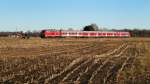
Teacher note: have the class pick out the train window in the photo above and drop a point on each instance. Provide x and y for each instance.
(100, 34)
(109, 34)
(116, 34)
(103, 33)
(64, 33)
(92, 33)
(80, 33)
(124, 34)
(85, 33)
(73, 33)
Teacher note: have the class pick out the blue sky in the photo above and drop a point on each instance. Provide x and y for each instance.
(41, 14)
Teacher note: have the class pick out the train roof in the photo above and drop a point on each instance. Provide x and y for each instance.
(97, 31)
(85, 31)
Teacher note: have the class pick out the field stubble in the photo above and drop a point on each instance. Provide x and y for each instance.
(78, 61)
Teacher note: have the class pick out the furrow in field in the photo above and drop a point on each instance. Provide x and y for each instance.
(100, 73)
(91, 52)
(86, 75)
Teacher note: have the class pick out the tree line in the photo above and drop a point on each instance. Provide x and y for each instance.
(92, 27)
(137, 32)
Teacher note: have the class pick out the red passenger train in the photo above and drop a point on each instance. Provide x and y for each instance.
(47, 33)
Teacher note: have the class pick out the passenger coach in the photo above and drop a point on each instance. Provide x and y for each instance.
(47, 33)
